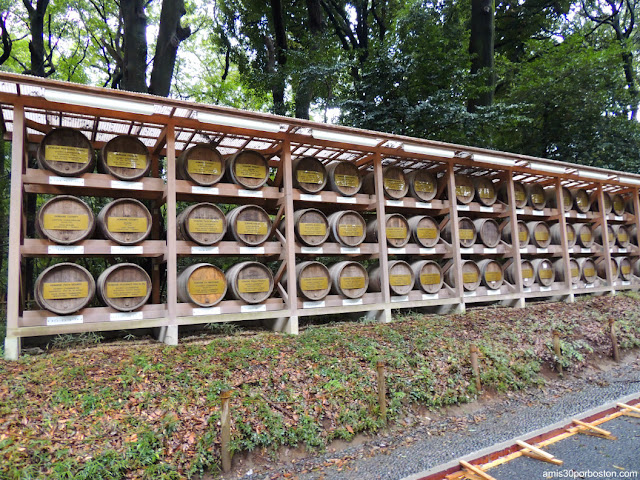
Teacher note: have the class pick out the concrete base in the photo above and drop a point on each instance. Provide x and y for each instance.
(12, 348)
(459, 308)
(169, 335)
(514, 303)
(571, 298)
(287, 325)
(381, 316)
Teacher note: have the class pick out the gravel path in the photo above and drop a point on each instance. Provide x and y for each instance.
(427, 443)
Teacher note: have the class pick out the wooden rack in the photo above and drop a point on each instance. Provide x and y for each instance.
(167, 127)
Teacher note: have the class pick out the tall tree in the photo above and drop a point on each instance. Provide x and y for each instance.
(481, 48)
(41, 61)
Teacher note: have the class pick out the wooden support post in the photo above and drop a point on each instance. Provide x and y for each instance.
(557, 351)
(589, 429)
(383, 257)
(225, 426)
(515, 238)
(382, 391)
(564, 243)
(170, 335)
(476, 470)
(614, 340)
(629, 407)
(475, 368)
(606, 255)
(536, 453)
(291, 324)
(18, 166)
(455, 235)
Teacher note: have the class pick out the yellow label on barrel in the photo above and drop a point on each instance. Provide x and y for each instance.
(61, 221)
(581, 201)
(427, 233)
(622, 236)
(126, 160)
(346, 180)
(618, 205)
(246, 170)
(204, 167)
(611, 236)
(545, 273)
(206, 287)
(537, 198)
(522, 236)
(570, 234)
(625, 269)
(466, 234)
(346, 230)
(566, 199)
(423, 187)
(205, 225)
(318, 229)
(575, 272)
(541, 236)
(430, 279)
(351, 283)
(493, 276)
(253, 285)
(470, 277)
(127, 224)
(463, 191)
(394, 184)
(314, 283)
(126, 289)
(527, 273)
(585, 237)
(589, 272)
(396, 232)
(485, 192)
(62, 153)
(245, 227)
(309, 176)
(65, 290)
(520, 195)
(399, 280)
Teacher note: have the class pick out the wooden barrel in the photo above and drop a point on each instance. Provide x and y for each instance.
(425, 231)
(397, 227)
(248, 168)
(202, 223)
(65, 220)
(249, 224)
(309, 174)
(633, 234)
(428, 276)
(466, 230)
(584, 235)
(535, 196)
(595, 203)
(528, 273)
(66, 152)
(491, 274)
(601, 269)
(485, 191)
(625, 268)
(556, 237)
(597, 235)
(567, 198)
(471, 277)
(310, 226)
(423, 185)
(465, 189)
(623, 236)
(618, 204)
(125, 157)
(587, 270)
(202, 164)
(401, 278)
(343, 177)
(394, 183)
(64, 288)
(544, 272)
(202, 284)
(488, 231)
(125, 287)
(539, 234)
(125, 221)
(523, 233)
(347, 228)
(520, 194)
(250, 282)
(581, 200)
(574, 266)
(349, 279)
(313, 280)
(636, 268)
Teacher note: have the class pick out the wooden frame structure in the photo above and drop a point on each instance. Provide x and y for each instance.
(30, 107)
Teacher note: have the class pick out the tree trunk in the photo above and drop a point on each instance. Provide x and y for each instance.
(304, 95)
(170, 34)
(304, 91)
(481, 49)
(134, 45)
(36, 29)
(627, 63)
(280, 56)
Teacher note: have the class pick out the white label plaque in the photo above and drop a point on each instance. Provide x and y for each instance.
(205, 311)
(469, 294)
(66, 320)
(395, 203)
(126, 185)
(486, 209)
(464, 208)
(314, 250)
(250, 193)
(318, 304)
(205, 190)
(429, 296)
(340, 199)
(251, 250)
(310, 198)
(539, 213)
(253, 308)
(124, 250)
(67, 181)
(423, 205)
(65, 250)
(352, 301)
(397, 251)
(400, 298)
(205, 250)
(349, 249)
(122, 316)
(427, 251)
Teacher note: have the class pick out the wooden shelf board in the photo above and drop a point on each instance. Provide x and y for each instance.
(230, 309)
(434, 207)
(225, 193)
(34, 247)
(360, 201)
(479, 249)
(414, 249)
(497, 209)
(228, 248)
(44, 318)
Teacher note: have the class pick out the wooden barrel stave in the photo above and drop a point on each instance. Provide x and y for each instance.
(584, 235)
(344, 178)
(347, 228)
(574, 266)
(249, 224)
(401, 278)
(309, 174)
(523, 233)
(597, 235)
(423, 185)
(471, 276)
(313, 280)
(66, 152)
(65, 219)
(465, 189)
(491, 274)
(125, 157)
(625, 268)
(622, 235)
(595, 202)
(588, 271)
(556, 237)
(248, 168)
(581, 200)
(202, 284)
(520, 194)
(567, 198)
(618, 204)
(250, 282)
(124, 286)
(488, 231)
(528, 273)
(310, 226)
(485, 191)
(539, 234)
(397, 228)
(125, 221)
(544, 272)
(349, 279)
(394, 183)
(425, 231)
(466, 230)
(428, 276)
(602, 271)
(202, 223)
(64, 288)
(202, 164)
(536, 198)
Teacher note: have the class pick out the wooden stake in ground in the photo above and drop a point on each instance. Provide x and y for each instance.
(536, 453)
(614, 340)
(225, 423)
(382, 391)
(475, 368)
(557, 351)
